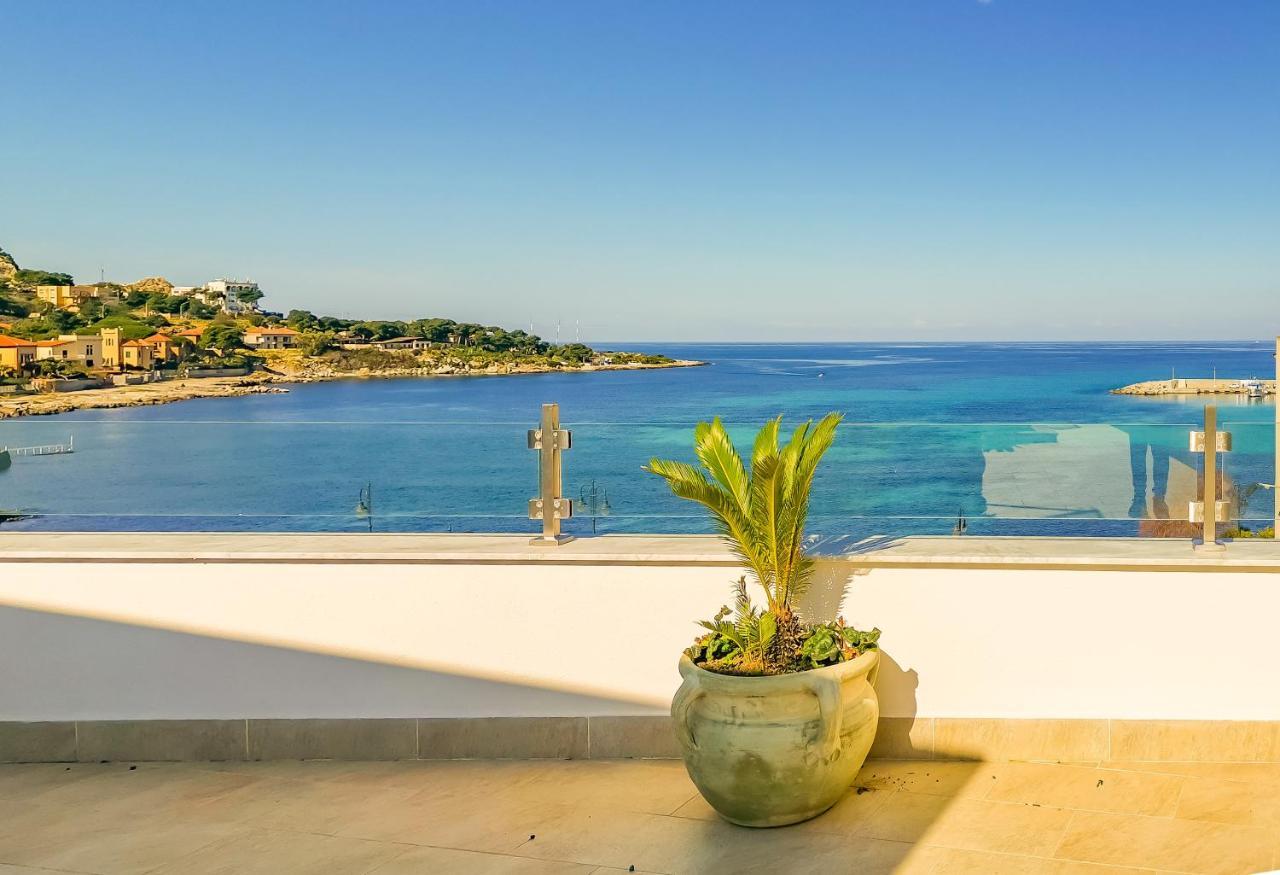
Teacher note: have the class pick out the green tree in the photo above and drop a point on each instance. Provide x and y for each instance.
(42, 278)
(315, 342)
(249, 296)
(131, 327)
(301, 320)
(575, 353)
(434, 330)
(223, 337)
(92, 308)
(52, 367)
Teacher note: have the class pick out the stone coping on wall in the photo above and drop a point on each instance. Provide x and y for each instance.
(1137, 554)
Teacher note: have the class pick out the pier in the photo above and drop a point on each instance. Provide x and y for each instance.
(44, 450)
(1250, 388)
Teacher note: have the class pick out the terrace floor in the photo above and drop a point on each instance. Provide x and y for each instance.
(605, 816)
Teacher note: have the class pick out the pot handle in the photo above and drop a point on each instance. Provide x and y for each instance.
(830, 713)
(685, 698)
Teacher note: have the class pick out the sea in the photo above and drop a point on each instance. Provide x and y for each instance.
(938, 438)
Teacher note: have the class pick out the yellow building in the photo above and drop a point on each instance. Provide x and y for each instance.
(163, 347)
(67, 297)
(118, 353)
(16, 352)
(137, 354)
(85, 349)
(111, 352)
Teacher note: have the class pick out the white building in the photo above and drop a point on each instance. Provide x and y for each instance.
(228, 292)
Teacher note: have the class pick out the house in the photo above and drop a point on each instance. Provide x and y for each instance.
(85, 349)
(231, 293)
(414, 343)
(164, 347)
(191, 335)
(271, 338)
(137, 354)
(15, 352)
(69, 297)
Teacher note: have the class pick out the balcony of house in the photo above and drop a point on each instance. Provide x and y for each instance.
(1071, 674)
(405, 703)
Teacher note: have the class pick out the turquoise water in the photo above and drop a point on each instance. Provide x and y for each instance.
(1018, 438)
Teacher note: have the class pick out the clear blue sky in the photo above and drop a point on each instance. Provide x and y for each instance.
(1014, 169)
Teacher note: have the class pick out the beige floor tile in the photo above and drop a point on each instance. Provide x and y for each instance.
(926, 860)
(971, 824)
(1162, 843)
(145, 787)
(84, 844)
(271, 852)
(846, 817)
(681, 845)
(491, 823)
(906, 817)
(26, 783)
(421, 861)
(934, 778)
(1258, 773)
(306, 806)
(578, 817)
(1238, 802)
(1085, 788)
(649, 786)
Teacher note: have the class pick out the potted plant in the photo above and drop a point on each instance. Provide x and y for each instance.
(775, 714)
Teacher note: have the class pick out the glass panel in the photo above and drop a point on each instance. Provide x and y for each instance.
(926, 478)
(267, 476)
(148, 471)
(1249, 478)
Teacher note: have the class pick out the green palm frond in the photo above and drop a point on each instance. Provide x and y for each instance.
(761, 513)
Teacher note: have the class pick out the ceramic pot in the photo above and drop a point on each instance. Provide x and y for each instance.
(769, 751)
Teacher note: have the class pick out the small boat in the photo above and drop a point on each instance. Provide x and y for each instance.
(1253, 388)
(364, 506)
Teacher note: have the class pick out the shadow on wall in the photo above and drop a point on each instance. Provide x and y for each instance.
(58, 667)
(828, 597)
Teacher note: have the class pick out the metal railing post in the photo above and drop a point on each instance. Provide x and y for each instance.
(1210, 510)
(550, 440)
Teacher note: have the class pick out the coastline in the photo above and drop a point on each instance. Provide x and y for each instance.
(267, 383)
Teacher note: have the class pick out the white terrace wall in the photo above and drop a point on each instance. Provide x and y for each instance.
(108, 639)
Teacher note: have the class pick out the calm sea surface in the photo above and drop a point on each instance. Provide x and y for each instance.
(1018, 438)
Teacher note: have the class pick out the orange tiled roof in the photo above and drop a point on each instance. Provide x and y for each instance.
(134, 343)
(191, 332)
(7, 341)
(158, 337)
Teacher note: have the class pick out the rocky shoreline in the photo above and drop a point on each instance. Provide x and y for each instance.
(265, 383)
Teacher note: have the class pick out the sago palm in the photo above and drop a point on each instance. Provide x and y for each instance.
(761, 513)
